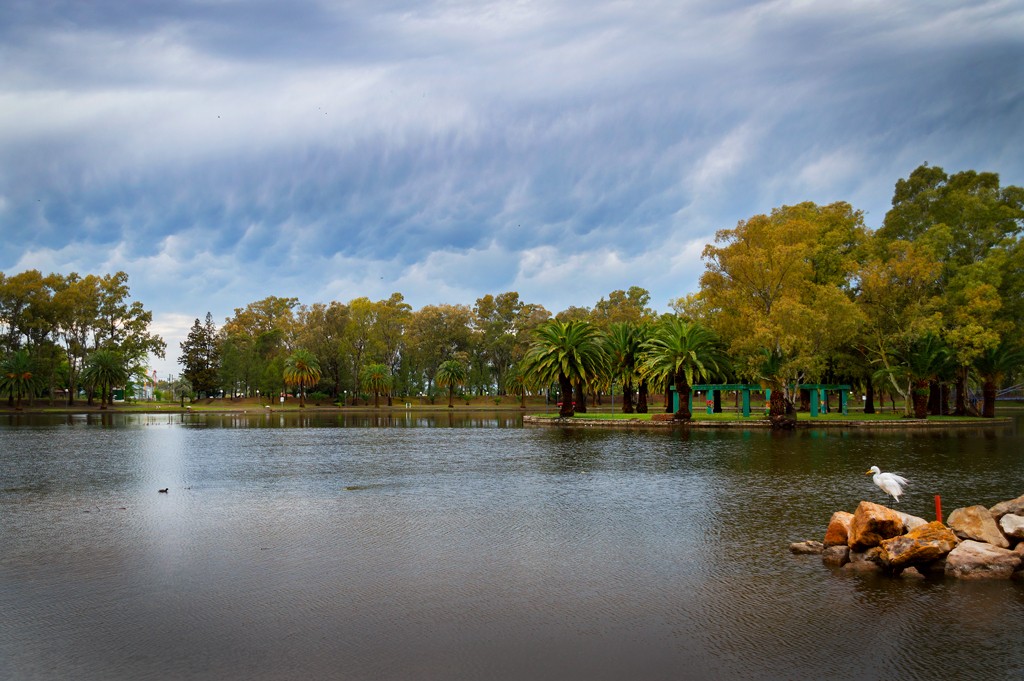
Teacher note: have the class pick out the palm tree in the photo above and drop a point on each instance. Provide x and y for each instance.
(566, 352)
(770, 373)
(302, 369)
(683, 352)
(622, 344)
(518, 383)
(105, 369)
(993, 366)
(376, 378)
(451, 374)
(915, 367)
(17, 376)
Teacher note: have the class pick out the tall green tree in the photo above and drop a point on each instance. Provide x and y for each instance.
(200, 357)
(630, 306)
(970, 226)
(123, 325)
(496, 320)
(435, 333)
(323, 333)
(567, 353)
(263, 332)
(785, 282)
(390, 319)
(451, 375)
(683, 351)
(303, 370)
(76, 306)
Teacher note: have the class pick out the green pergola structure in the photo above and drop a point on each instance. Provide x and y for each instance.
(818, 394)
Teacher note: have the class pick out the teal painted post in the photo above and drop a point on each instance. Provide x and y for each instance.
(710, 397)
(842, 402)
(767, 399)
(689, 402)
(814, 403)
(746, 402)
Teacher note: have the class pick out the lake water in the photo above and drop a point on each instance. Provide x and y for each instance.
(362, 547)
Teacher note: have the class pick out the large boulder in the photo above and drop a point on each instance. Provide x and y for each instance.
(838, 532)
(976, 522)
(871, 524)
(1012, 526)
(1013, 506)
(977, 560)
(922, 544)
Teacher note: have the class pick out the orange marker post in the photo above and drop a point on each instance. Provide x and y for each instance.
(938, 508)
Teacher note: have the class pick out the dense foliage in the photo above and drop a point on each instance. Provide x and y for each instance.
(928, 308)
(54, 325)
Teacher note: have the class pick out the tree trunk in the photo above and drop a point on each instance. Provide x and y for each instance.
(627, 397)
(934, 398)
(920, 393)
(961, 392)
(451, 397)
(805, 399)
(302, 396)
(780, 411)
(988, 393)
(683, 391)
(641, 398)
(581, 398)
(565, 390)
(718, 401)
(869, 397)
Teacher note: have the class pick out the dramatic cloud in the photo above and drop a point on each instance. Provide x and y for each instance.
(221, 152)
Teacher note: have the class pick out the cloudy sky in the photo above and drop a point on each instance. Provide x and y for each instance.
(220, 151)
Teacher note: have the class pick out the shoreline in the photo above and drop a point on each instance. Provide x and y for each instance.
(972, 422)
(532, 414)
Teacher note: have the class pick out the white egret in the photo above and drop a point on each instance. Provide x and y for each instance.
(890, 483)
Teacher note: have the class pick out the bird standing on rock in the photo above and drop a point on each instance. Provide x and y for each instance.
(890, 483)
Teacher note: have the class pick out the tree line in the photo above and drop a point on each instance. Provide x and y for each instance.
(60, 334)
(928, 307)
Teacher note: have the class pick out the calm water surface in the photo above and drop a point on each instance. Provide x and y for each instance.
(327, 547)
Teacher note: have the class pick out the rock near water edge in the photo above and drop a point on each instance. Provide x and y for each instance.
(838, 532)
(871, 524)
(1013, 506)
(1012, 526)
(977, 523)
(977, 560)
(924, 544)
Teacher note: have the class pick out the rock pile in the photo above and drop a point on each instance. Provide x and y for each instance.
(975, 543)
